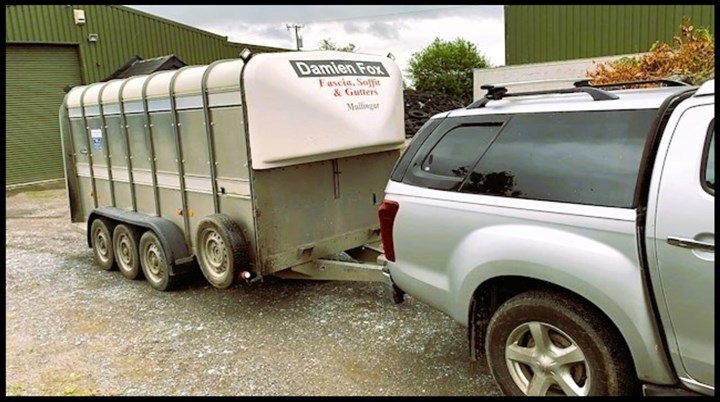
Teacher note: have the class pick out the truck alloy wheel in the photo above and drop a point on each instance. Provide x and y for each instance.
(547, 343)
(101, 238)
(154, 262)
(125, 248)
(539, 356)
(220, 250)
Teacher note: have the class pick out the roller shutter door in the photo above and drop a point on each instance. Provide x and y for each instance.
(35, 81)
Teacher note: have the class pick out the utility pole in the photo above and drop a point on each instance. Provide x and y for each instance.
(298, 39)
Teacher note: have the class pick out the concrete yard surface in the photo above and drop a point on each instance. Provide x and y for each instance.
(73, 329)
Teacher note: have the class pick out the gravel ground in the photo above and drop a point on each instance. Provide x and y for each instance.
(73, 329)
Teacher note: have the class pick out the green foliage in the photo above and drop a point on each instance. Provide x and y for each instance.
(327, 44)
(447, 67)
(691, 58)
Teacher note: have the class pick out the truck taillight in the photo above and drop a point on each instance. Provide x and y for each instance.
(387, 212)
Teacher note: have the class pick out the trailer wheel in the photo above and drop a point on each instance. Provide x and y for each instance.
(221, 250)
(154, 262)
(126, 240)
(101, 230)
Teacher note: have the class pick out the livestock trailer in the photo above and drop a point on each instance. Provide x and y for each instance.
(264, 165)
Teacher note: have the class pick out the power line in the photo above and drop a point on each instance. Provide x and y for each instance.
(385, 15)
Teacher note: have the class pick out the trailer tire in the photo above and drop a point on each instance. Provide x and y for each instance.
(154, 262)
(221, 250)
(126, 242)
(102, 243)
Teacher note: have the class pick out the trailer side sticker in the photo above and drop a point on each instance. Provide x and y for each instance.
(337, 68)
(346, 78)
(96, 135)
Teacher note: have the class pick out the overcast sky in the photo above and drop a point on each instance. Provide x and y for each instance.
(400, 30)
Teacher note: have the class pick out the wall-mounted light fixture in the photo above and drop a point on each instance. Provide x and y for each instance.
(79, 16)
(93, 37)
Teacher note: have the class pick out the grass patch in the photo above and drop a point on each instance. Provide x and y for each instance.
(14, 390)
(68, 386)
(75, 391)
(42, 194)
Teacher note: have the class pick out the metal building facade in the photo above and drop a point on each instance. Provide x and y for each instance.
(535, 34)
(121, 32)
(47, 52)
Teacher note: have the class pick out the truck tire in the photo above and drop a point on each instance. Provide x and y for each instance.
(154, 262)
(548, 343)
(126, 241)
(221, 250)
(101, 239)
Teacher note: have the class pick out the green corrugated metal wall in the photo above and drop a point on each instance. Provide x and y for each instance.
(122, 33)
(535, 34)
(34, 82)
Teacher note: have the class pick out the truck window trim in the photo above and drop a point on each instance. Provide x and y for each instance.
(709, 137)
(416, 141)
(642, 187)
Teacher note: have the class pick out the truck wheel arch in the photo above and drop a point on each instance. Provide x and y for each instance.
(492, 293)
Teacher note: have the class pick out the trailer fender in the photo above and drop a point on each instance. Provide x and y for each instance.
(171, 237)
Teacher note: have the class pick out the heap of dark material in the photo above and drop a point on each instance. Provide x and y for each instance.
(421, 105)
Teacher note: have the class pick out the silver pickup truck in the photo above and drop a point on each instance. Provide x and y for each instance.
(572, 231)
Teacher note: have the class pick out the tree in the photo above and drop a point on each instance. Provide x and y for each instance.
(327, 44)
(447, 67)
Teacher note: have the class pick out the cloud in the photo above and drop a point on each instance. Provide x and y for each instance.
(352, 27)
(386, 30)
(200, 14)
(273, 32)
(381, 29)
(400, 30)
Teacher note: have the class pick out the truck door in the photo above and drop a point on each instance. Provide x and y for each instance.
(685, 243)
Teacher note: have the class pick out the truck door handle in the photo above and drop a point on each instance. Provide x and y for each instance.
(84, 151)
(689, 243)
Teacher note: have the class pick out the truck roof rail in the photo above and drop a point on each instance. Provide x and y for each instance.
(667, 82)
(540, 81)
(497, 93)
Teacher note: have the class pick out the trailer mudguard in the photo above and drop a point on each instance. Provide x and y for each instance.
(172, 238)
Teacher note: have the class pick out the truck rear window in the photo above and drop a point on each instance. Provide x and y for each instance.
(589, 158)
